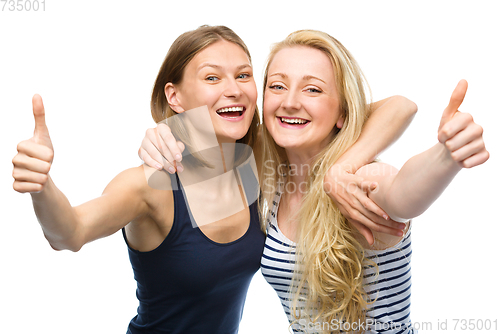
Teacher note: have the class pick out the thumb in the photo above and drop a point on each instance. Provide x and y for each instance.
(39, 114)
(457, 97)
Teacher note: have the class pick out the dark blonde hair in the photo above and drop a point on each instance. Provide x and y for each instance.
(182, 51)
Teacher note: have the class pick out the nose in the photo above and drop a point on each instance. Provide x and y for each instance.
(291, 101)
(232, 89)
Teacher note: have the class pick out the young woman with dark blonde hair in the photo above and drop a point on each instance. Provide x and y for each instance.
(189, 280)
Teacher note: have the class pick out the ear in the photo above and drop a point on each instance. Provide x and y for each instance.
(340, 122)
(172, 95)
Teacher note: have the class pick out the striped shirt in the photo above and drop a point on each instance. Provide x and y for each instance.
(390, 313)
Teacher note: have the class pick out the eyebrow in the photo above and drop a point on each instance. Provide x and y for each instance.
(220, 67)
(305, 77)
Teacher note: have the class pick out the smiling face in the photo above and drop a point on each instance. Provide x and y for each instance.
(301, 103)
(220, 77)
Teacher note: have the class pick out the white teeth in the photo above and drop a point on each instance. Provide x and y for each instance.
(231, 109)
(293, 120)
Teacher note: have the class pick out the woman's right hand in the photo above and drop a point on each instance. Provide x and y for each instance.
(34, 158)
(159, 149)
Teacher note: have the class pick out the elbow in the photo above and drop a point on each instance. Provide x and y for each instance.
(402, 212)
(412, 107)
(60, 245)
(409, 107)
(402, 215)
(73, 248)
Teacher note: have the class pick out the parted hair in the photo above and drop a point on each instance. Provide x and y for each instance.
(181, 52)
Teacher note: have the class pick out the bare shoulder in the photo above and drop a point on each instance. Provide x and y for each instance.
(132, 178)
(144, 187)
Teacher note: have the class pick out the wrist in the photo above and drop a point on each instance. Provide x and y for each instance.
(43, 194)
(445, 158)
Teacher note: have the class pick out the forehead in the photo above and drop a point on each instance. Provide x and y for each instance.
(222, 53)
(301, 61)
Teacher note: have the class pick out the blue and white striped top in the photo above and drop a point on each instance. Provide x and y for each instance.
(390, 313)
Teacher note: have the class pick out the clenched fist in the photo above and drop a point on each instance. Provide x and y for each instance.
(34, 158)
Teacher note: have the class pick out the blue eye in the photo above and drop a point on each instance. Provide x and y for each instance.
(314, 90)
(277, 87)
(243, 76)
(211, 78)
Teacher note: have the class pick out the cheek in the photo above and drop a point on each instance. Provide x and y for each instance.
(204, 94)
(270, 106)
(267, 114)
(328, 115)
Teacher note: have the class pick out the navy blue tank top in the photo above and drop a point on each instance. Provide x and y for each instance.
(191, 284)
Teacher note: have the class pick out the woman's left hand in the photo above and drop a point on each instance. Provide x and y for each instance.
(458, 132)
(350, 193)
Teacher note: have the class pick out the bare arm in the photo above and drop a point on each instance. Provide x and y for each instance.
(64, 226)
(409, 192)
(67, 227)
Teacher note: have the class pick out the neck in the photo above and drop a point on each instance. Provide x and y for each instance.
(220, 159)
(300, 165)
(227, 153)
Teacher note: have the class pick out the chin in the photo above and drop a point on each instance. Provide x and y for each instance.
(230, 138)
(287, 146)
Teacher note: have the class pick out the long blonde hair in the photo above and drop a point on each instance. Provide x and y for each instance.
(329, 257)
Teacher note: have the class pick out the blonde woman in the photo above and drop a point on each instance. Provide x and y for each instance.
(327, 276)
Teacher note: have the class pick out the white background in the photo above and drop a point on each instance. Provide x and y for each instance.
(95, 62)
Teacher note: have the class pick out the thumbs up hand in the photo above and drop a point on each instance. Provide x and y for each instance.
(460, 135)
(34, 158)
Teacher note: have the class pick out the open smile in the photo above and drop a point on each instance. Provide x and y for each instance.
(232, 113)
(292, 122)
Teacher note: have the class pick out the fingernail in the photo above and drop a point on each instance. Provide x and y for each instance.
(159, 167)
(386, 217)
(400, 233)
(171, 170)
(180, 168)
(402, 226)
(178, 157)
